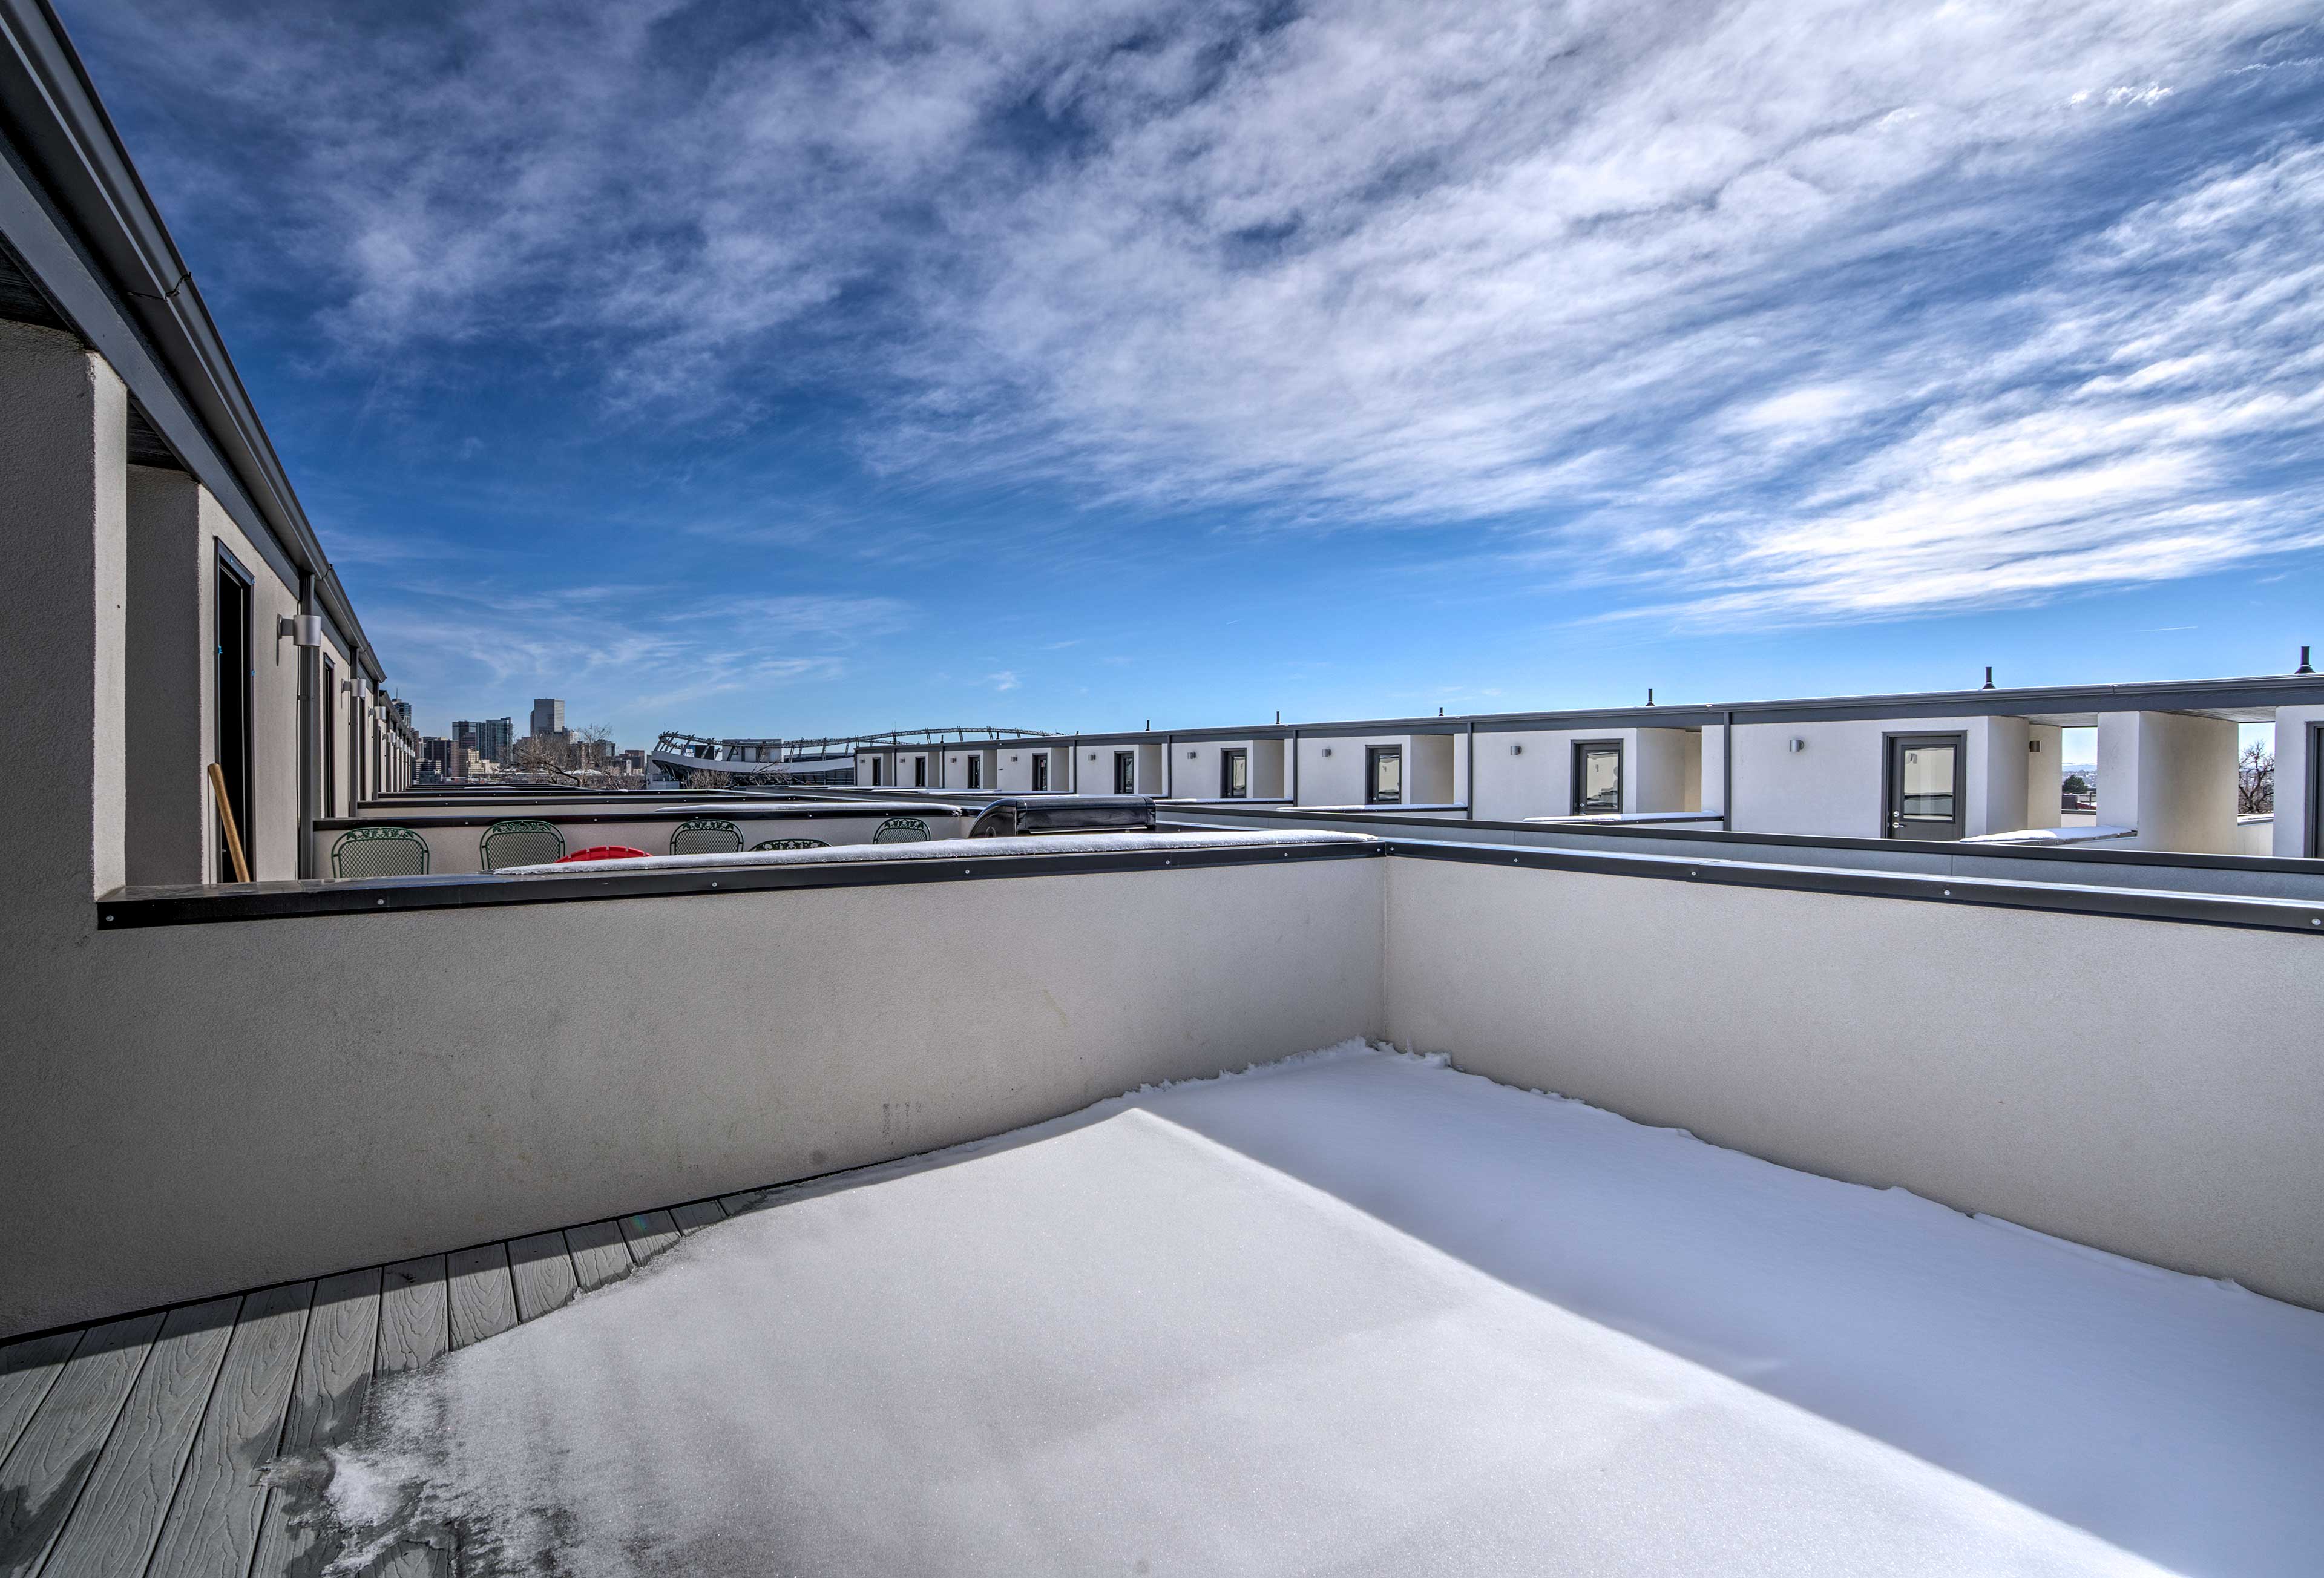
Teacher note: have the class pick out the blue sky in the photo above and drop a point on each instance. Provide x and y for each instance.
(1069, 364)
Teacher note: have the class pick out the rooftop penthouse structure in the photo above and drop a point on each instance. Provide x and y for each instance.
(855, 1180)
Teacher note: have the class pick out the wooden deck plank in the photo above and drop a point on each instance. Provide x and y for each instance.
(483, 1296)
(544, 1278)
(697, 1214)
(649, 1233)
(599, 1255)
(28, 1368)
(746, 1201)
(326, 1406)
(415, 1317)
(120, 1513)
(51, 1460)
(213, 1522)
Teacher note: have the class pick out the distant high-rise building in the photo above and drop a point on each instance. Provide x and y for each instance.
(437, 755)
(489, 738)
(548, 717)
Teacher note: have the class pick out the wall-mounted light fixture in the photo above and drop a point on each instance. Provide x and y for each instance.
(1795, 745)
(1327, 750)
(1013, 759)
(1092, 756)
(1190, 756)
(1517, 750)
(305, 630)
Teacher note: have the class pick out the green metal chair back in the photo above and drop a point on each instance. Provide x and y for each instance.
(379, 852)
(705, 835)
(521, 841)
(901, 830)
(790, 843)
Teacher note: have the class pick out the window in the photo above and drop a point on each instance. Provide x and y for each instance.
(1040, 771)
(1234, 774)
(920, 773)
(1596, 776)
(1384, 775)
(330, 739)
(976, 773)
(232, 680)
(1125, 772)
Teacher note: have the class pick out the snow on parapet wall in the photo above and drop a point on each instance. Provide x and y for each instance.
(943, 849)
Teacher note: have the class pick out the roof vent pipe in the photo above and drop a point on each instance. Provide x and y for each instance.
(1650, 696)
(1989, 676)
(2305, 666)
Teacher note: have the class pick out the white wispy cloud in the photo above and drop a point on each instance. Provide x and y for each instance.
(1758, 311)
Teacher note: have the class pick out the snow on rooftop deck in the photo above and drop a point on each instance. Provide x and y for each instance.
(1360, 1314)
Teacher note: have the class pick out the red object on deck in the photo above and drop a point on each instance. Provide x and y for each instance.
(604, 851)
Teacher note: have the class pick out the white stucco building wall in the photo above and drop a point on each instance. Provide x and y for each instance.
(1835, 785)
(2295, 795)
(2172, 777)
(1662, 771)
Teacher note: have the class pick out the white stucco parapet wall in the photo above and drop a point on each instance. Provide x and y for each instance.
(943, 849)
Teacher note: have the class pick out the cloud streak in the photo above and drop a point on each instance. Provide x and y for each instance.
(1746, 313)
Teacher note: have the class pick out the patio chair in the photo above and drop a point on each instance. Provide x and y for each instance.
(520, 841)
(901, 830)
(379, 852)
(603, 851)
(790, 843)
(705, 835)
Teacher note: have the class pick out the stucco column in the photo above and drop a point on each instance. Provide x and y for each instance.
(63, 487)
(2172, 777)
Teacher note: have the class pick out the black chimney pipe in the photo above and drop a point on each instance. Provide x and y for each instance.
(2305, 666)
(1989, 676)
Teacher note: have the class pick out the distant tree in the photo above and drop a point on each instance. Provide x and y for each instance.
(2254, 781)
(2076, 784)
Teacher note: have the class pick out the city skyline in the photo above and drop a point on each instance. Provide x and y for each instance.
(1182, 365)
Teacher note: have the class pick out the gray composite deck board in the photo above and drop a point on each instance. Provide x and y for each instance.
(213, 1522)
(119, 1515)
(649, 1233)
(544, 1278)
(697, 1214)
(28, 1368)
(51, 1460)
(599, 1254)
(136, 1446)
(484, 1295)
(415, 1317)
(326, 1406)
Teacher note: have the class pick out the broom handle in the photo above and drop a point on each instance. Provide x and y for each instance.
(233, 833)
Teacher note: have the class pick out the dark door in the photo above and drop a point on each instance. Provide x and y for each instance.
(1384, 775)
(1928, 776)
(976, 773)
(330, 739)
(1596, 776)
(1125, 772)
(1040, 771)
(232, 680)
(920, 773)
(1234, 775)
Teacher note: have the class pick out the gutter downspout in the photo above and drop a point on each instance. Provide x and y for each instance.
(1295, 766)
(1727, 776)
(310, 734)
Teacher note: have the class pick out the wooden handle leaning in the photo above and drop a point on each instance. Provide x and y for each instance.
(233, 833)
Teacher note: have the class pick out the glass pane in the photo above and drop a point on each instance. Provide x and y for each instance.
(1928, 786)
(1602, 778)
(1388, 775)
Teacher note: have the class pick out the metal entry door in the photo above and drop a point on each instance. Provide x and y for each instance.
(1927, 783)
